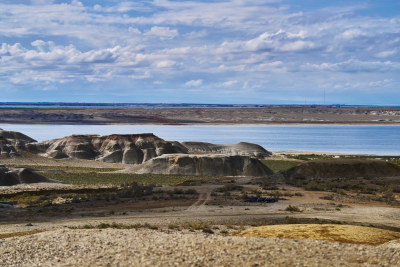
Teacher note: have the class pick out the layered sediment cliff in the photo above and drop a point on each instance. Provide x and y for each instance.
(151, 153)
(206, 165)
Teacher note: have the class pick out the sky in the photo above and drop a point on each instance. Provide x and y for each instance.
(233, 51)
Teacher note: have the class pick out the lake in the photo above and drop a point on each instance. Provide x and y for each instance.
(374, 140)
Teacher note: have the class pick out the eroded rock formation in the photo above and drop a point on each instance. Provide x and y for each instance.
(241, 149)
(207, 165)
(11, 143)
(21, 176)
(155, 154)
(128, 149)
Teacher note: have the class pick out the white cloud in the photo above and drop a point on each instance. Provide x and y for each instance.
(232, 41)
(279, 41)
(351, 33)
(354, 66)
(297, 46)
(229, 83)
(165, 64)
(194, 83)
(163, 32)
(385, 54)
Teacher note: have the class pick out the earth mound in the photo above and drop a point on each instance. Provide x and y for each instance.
(21, 176)
(206, 165)
(328, 232)
(242, 149)
(128, 149)
(11, 143)
(343, 168)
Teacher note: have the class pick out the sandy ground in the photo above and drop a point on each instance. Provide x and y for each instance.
(329, 232)
(111, 247)
(51, 242)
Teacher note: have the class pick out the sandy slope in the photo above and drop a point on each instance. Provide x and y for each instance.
(328, 232)
(112, 247)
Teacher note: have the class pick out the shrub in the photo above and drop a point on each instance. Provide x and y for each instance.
(293, 208)
(229, 187)
(327, 197)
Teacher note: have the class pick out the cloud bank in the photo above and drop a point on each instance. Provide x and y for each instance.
(266, 51)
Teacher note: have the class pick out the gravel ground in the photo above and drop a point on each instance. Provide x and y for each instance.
(112, 247)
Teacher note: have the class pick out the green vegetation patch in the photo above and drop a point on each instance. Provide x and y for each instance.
(279, 165)
(391, 159)
(98, 178)
(69, 169)
(45, 198)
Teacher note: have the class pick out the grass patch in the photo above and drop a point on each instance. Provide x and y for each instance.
(67, 168)
(279, 165)
(46, 198)
(96, 178)
(392, 159)
(8, 235)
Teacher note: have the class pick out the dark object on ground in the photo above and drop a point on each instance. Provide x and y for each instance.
(208, 231)
(261, 199)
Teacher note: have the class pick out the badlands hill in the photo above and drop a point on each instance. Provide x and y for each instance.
(151, 153)
(343, 168)
(242, 148)
(12, 142)
(127, 149)
(21, 176)
(206, 165)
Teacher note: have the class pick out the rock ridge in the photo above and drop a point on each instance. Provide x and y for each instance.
(205, 165)
(150, 152)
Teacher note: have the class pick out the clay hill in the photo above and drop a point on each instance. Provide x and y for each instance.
(206, 165)
(13, 142)
(137, 148)
(242, 148)
(160, 156)
(127, 149)
(343, 168)
(21, 176)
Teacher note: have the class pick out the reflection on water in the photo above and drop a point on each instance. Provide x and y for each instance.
(379, 140)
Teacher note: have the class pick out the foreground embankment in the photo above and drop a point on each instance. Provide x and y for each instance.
(112, 247)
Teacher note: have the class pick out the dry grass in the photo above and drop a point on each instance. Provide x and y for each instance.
(7, 235)
(328, 232)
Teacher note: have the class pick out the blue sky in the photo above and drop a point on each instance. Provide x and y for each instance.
(234, 51)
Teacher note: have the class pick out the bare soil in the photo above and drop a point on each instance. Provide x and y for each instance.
(196, 229)
(329, 232)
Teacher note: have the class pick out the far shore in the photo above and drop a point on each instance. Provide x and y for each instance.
(288, 124)
(204, 116)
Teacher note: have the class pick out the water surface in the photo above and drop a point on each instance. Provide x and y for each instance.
(376, 139)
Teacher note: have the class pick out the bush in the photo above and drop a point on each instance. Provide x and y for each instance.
(293, 208)
(229, 187)
(327, 197)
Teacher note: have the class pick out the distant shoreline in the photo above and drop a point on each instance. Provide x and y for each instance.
(294, 115)
(178, 105)
(212, 124)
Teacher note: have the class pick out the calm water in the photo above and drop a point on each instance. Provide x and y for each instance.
(377, 140)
